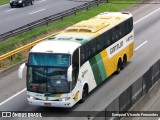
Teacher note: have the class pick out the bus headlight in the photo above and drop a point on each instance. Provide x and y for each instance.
(20, 1)
(64, 99)
(31, 97)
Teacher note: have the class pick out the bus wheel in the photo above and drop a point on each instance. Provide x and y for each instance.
(23, 4)
(124, 62)
(84, 94)
(32, 2)
(119, 66)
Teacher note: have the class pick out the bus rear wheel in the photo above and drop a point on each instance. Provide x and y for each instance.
(84, 94)
(119, 66)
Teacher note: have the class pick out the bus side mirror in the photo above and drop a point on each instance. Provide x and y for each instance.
(20, 70)
(69, 73)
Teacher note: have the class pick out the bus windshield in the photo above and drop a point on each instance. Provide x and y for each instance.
(46, 59)
(47, 73)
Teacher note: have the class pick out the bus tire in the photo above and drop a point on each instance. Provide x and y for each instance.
(32, 2)
(124, 62)
(119, 66)
(84, 94)
(23, 4)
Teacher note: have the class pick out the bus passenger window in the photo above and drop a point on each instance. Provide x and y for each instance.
(118, 32)
(108, 42)
(101, 41)
(98, 47)
(82, 55)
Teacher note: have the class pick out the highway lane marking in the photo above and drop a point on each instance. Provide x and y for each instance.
(146, 16)
(140, 45)
(41, 1)
(140, 21)
(12, 96)
(9, 10)
(134, 49)
(36, 11)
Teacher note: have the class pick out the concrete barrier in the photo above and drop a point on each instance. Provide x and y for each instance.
(145, 102)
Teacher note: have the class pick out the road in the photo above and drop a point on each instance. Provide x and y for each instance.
(147, 47)
(12, 18)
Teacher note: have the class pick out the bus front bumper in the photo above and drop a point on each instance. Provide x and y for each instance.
(65, 104)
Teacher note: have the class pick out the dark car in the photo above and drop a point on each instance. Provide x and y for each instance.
(20, 3)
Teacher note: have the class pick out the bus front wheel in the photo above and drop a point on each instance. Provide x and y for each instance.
(124, 62)
(84, 94)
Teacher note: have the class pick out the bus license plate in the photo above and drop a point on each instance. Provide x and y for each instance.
(47, 104)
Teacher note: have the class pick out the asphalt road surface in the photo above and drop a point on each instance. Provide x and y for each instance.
(147, 52)
(12, 18)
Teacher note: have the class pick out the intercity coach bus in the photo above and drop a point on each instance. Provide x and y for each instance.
(64, 68)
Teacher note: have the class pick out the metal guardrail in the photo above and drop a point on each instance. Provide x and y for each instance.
(47, 20)
(23, 48)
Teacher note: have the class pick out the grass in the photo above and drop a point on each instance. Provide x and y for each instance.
(2, 2)
(59, 25)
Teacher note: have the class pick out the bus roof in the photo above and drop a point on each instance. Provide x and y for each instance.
(82, 32)
(55, 47)
(98, 23)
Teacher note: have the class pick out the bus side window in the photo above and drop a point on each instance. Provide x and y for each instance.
(92, 48)
(107, 39)
(75, 71)
(114, 36)
(82, 55)
(122, 30)
(128, 24)
(101, 41)
(75, 58)
(87, 52)
(98, 46)
(118, 33)
(127, 27)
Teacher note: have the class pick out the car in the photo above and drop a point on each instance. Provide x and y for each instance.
(20, 3)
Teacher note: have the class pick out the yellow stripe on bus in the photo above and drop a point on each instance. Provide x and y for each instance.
(58, 95)
(104, 59)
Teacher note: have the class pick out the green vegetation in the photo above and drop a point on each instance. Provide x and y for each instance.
(2, 2)
(59, 25)
(124, 1)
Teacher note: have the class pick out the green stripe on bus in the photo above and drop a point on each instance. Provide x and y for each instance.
(95, 69)
(101, 66)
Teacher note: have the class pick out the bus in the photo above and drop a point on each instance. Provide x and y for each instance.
(63, 69)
